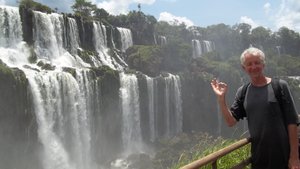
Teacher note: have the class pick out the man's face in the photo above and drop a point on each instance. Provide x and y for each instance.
(253, 65)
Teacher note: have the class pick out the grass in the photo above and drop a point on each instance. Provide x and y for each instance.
(225, 162)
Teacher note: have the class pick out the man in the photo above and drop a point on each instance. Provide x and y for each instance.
(274, 141)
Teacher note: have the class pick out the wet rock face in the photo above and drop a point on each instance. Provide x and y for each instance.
(27, 25)
(18, 128)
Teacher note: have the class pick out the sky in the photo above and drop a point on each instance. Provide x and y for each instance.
(271, 14)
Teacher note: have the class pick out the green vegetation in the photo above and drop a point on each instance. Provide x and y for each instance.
(106, 73)
(147, 59)
(84, 9)
(85, 55)
(186, 148)
(176, 57)
(30, 4)
(225, 162)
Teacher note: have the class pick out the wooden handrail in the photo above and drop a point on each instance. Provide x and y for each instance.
(212, 158)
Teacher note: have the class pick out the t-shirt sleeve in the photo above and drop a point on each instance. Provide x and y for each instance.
(288, 105)
(237, 108)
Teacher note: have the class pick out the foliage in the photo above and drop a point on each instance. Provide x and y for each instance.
(225, 162)
(141, 26)
(178, 33)
(146, 59)
(261, 36)
(290, 64)
(177, 56)
(30, 4)
(172, 150)
(101, 14)
(289, 41)
(83, 8)
(85, 55)
(185, 148)
(105, 72)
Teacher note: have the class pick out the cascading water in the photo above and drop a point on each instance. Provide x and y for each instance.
(173, 105)
(126, 42)
(100, 42)
(63, 120)
(172, 110)
(67, 97)
(201, 47)
(48, 38)
(11, 32)
(150, 90)
(197, 49)
(132, 137)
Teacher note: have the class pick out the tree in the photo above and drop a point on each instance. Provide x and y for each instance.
(101, 14)
(139, 7)
(30, 4)
(260, 36)
(83, 8)
(289, 41)
(243, 29)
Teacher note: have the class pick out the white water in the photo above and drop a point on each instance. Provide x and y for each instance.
(100, 42)
(150, 90)
(197, 49)
(63, 103)
(132, 136)
(173, 100)
(126, 42)
(201, 47)
(48, 38)
(172, 109)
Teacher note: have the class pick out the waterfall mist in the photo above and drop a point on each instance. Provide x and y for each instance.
(78, 116)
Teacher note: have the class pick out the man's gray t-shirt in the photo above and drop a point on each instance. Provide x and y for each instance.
(267, 125)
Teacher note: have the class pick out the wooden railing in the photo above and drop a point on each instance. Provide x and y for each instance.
(212, 158)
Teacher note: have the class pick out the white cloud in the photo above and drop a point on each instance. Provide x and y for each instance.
(2, 2)
(116, 7)
(174, 20)
(267, 8)
(246, 19)
(289, 15)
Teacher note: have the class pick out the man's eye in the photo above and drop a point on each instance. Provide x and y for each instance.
(257, 63)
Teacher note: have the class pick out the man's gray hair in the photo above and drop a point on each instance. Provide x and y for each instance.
(253, 51)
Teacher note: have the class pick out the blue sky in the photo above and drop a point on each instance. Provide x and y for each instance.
(271, 14)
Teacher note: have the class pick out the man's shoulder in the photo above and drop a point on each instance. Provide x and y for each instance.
(281, 83)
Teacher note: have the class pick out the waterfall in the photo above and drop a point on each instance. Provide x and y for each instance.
(10, 26)
(173, 102)
(201, 47)
(55, 155)
(172, 107)
(62, 106)
(197, 50)
(100, 42)
(66, 100)
(131, 135)
(48, 41)
(162, 40)
(126, 38)
(150, 90)
(71, 36)
(13, 51)
(208, 46)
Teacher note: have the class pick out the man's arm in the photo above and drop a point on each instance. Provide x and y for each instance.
(230, 120)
